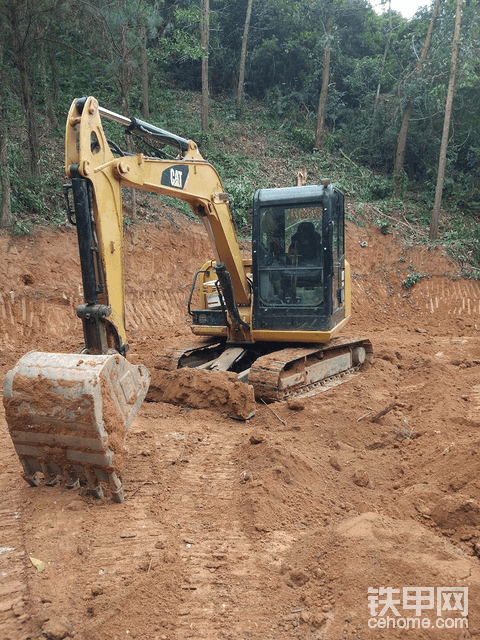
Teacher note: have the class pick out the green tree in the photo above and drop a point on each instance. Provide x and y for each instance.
(20, 18)
(243, 54)
(320, 133)
(446, 124)
(205, 33)
(402, 136)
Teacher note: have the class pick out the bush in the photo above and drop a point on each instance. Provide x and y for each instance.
(412, 279)
(377, 188)
(240, 192)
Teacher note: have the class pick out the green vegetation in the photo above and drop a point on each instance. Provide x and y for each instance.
(48, 57)
(411, 279)
(384, 225)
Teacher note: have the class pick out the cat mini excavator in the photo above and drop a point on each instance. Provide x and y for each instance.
(272, 319)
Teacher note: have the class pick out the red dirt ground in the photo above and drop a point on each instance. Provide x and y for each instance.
(275, 537)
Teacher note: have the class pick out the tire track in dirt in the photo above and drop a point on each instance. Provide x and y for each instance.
(148, 311)
(13, 585)
(223, 584)
(120, 555)
(129, 559)
(474, 410)
(460, 298)
(434, 296)
(25, 315)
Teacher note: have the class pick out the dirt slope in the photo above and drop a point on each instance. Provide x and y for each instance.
(275, 528)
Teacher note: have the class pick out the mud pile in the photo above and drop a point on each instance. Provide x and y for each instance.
(201, 389)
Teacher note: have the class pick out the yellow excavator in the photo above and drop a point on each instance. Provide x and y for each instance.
(272, 318)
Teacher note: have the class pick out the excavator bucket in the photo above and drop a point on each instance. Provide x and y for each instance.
(68, 416)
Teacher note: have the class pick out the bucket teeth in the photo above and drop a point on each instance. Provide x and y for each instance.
(94, 489)
(76, 477)
(118, 496)
(33, 479)
(68, 416)
(54, 481)
(73, 483)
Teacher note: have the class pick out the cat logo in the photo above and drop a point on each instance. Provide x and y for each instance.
(175, 177)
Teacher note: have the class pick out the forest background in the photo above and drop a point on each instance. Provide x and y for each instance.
(327, 85)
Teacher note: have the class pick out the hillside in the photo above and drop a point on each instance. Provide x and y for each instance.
(222, 538)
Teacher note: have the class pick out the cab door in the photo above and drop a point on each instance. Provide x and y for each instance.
(338, 258)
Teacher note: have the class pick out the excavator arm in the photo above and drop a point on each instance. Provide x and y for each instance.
(97, 180)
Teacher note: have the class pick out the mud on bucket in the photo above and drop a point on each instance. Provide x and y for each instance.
(68, 416)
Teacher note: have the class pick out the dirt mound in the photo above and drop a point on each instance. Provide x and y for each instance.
(203, 390)
(331, 571)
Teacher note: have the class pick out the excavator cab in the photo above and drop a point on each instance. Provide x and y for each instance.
(298, 250)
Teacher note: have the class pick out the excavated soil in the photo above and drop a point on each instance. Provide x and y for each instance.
(275, 528)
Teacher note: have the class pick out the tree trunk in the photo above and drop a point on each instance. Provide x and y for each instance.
(320, 133)
(144, 73)
(47, 92)
(53, 70)
(205, 38)
(20, 23)
(6, 217)
(243, 55)
(6, 212)
(446, 125)
(382, 70)
(30, 111)
(125, 85)
(403, 133)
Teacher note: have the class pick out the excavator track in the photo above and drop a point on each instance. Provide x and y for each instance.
(303, 370)
(280, 374)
